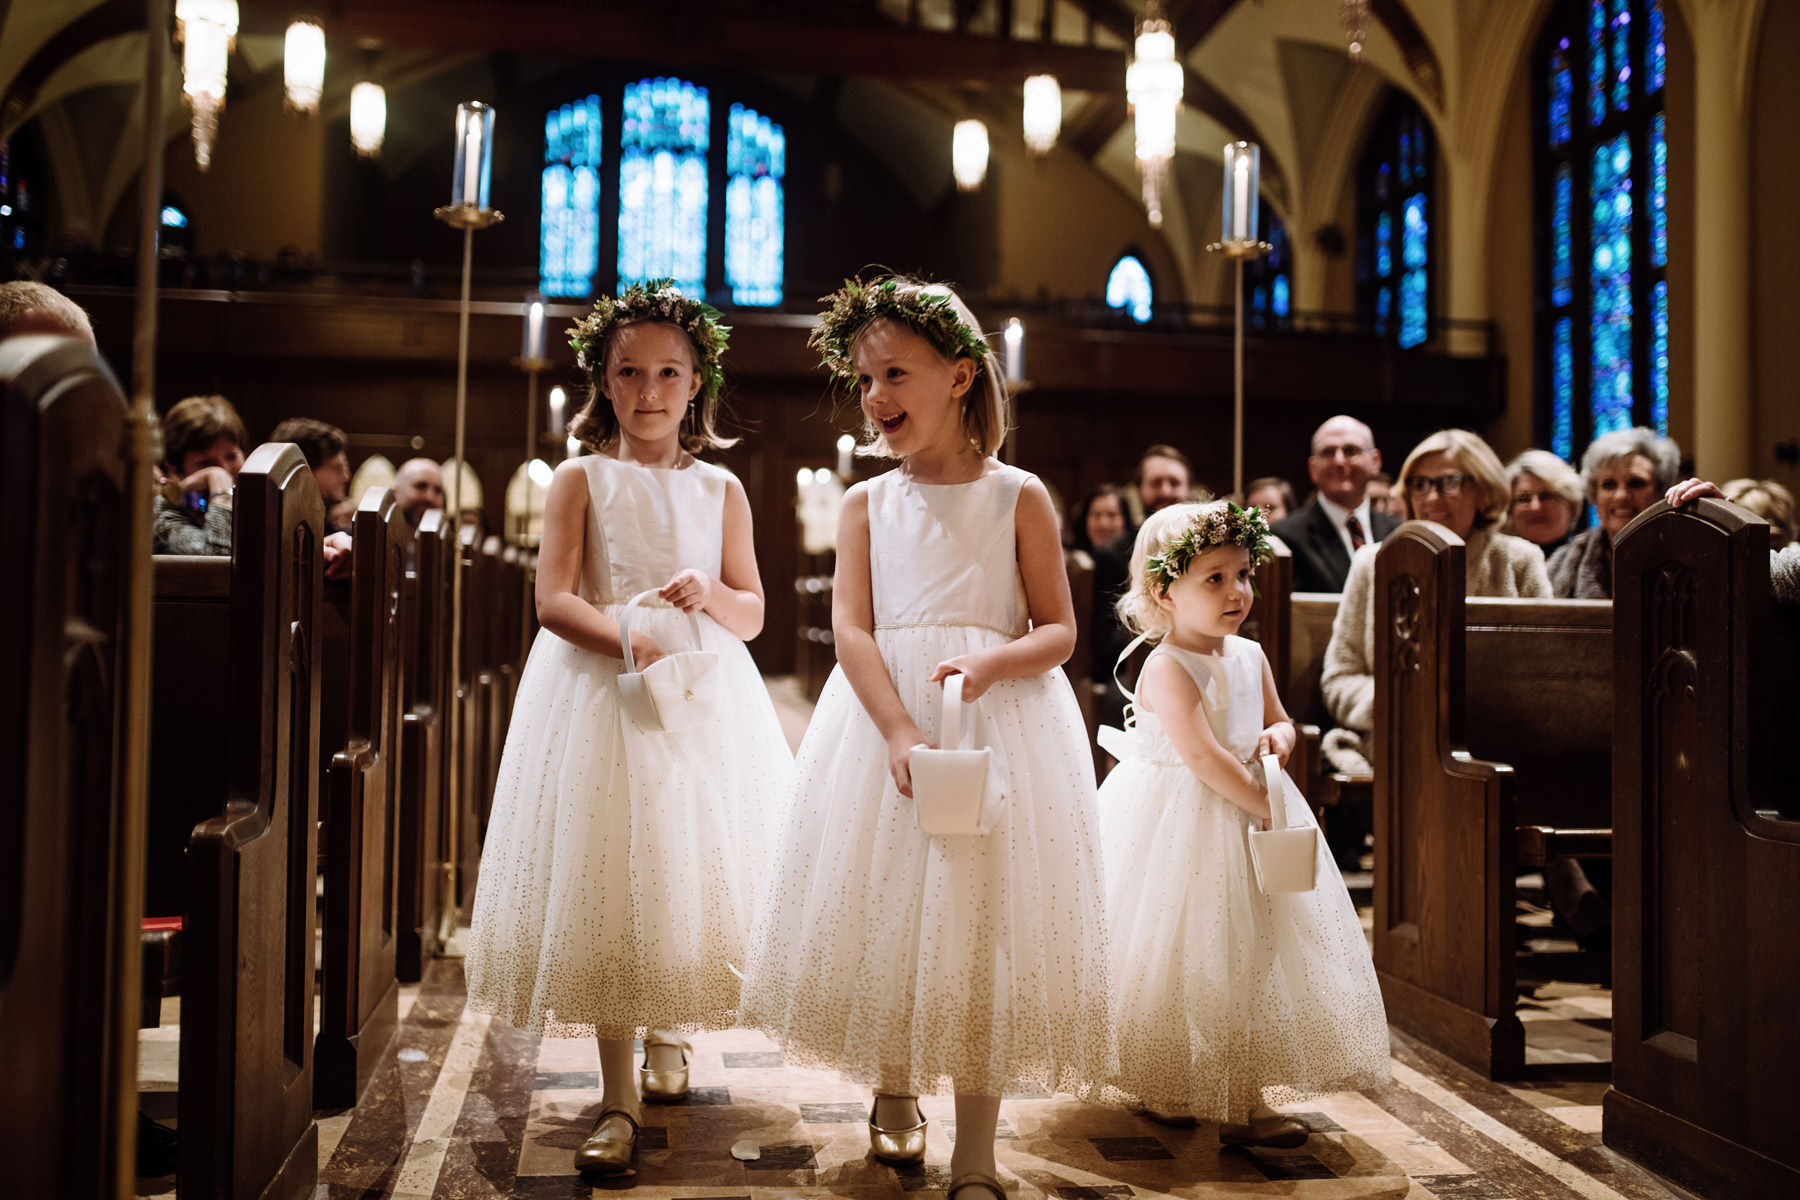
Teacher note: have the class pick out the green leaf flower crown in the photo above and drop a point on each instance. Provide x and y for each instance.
(1232, 526)
(927, 312)
(658, 300)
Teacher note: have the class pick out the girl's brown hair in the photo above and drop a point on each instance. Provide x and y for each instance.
(596, 425)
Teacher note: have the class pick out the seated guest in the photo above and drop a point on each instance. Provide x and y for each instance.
(1454, 479)
(27, 307)
(1546, 499)
(1340, 520)
(327, 453)
(1164, 476)
(1623, 473)
(1274, 495)
(1768, 500)
(1098, 518)
(420, 486)
(1383, 498)
(1784, 563)
(203, 450)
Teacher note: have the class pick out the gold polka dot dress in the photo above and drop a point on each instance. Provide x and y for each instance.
(1225, 996)
(619, 869)
(914, 963)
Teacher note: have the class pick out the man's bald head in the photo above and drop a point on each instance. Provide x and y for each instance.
(27, 307)
(1343, 458)
(420, 486)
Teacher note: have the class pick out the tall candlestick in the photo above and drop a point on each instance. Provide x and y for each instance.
(472, 165)
(534, 329)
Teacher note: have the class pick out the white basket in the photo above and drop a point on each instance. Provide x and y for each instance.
(950, 786)
(1285, 857)
(677, 691)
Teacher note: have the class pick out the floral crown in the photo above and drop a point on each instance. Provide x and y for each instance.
(1229, 526)
(661, 301)
(926, 311)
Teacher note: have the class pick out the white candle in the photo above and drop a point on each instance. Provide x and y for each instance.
(471, 164)
(1015, 350)
(1240, 195)
(534, 330)
(846, 446)
(558, 398)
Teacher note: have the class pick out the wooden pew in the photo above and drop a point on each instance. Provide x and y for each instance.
(359, 991)
(425, 606)
(469, 709)
(1525, 683)
(1707, 882)
(499, 606)
(68, 904)
(247, 1002)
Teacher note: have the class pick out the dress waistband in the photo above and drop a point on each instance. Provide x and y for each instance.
(1011, 633)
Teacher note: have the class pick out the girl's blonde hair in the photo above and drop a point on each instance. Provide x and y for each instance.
(1476, 459)
(596, 425)
(986, 410)
(1137, 607)
(1768, 500)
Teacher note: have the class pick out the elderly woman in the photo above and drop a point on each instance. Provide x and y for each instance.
(1624, 472)
(1454, 479)
(1545, 499)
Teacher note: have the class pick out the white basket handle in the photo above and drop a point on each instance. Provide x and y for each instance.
(955, 734)
(625, 629)
(1271, 766)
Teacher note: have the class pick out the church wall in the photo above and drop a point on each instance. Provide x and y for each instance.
(1775, 250)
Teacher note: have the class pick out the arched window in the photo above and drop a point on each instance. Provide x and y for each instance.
(1128, 287)
(569, 240)
(1269, 280)
(755, 221)
(666, 128)
(1394, 215)
(1603, 184)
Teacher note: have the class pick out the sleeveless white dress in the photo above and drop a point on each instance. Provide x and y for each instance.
(617, 877)
(1226, 997)
(911, 962)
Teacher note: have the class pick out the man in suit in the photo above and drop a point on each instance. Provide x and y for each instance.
(1325, 533)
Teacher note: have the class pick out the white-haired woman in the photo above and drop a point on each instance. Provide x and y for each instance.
(1624, 472)
(1545, 499)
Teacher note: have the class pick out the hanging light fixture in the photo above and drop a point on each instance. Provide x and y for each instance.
(1043, 113)
(1153, 84)
(969, 154)
(207, 30)
(303, 66)
(368, 118)
(1356, 21)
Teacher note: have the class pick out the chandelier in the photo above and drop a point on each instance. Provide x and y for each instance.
(303, 66)
(1043, 113)
(1153, 85)
(1356, 20)
(206, 29)
(969, 154)
(368, 118)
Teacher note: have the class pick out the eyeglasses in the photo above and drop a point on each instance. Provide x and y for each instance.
(1349, 452)
(1542, 499)
(1450, 484)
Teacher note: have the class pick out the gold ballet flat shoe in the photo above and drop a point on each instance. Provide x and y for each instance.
(975, 1179)
(605, 1152)
(1279, 1132)
(662, 1083)
(900, 1147)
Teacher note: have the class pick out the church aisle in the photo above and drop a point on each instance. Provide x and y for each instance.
(474, 1109)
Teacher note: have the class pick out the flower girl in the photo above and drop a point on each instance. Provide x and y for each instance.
(918, 963)
(1227, 998)
(616, 878)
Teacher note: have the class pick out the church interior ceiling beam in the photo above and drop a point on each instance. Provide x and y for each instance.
(1421, 59)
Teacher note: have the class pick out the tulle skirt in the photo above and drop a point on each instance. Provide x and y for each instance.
(917, 964)
(618, 876)
(1225, 996)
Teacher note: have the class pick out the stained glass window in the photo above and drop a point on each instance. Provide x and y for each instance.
(755, 224)
(1268, 281)
(1394, 217)
(666, 127)
(569, 241)
(1605, 362)
(1128, 287)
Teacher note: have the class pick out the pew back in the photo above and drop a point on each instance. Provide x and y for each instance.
(423, 772)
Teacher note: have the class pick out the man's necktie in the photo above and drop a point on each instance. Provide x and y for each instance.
(1354, 527)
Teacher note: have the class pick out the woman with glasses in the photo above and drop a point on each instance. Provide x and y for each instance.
(1624, 472)
(1546, 499)
(1455, 479)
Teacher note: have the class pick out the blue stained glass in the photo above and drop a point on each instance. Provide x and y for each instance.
(1609, 395)
(569, 240)
(1596, 60)
(1384, 305)
(1659, 192)
(1281, 296)
(1562, 95)
(1414, 286)
(1413, 242)
(1655, 51)
(662, 183)
(1562, 389)
(1659, 357)
(755, 220)
(1618, 39)
(1384, 246)
(1383, 175)
(1406, 163)
(1128, 287)
(1562, 290)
